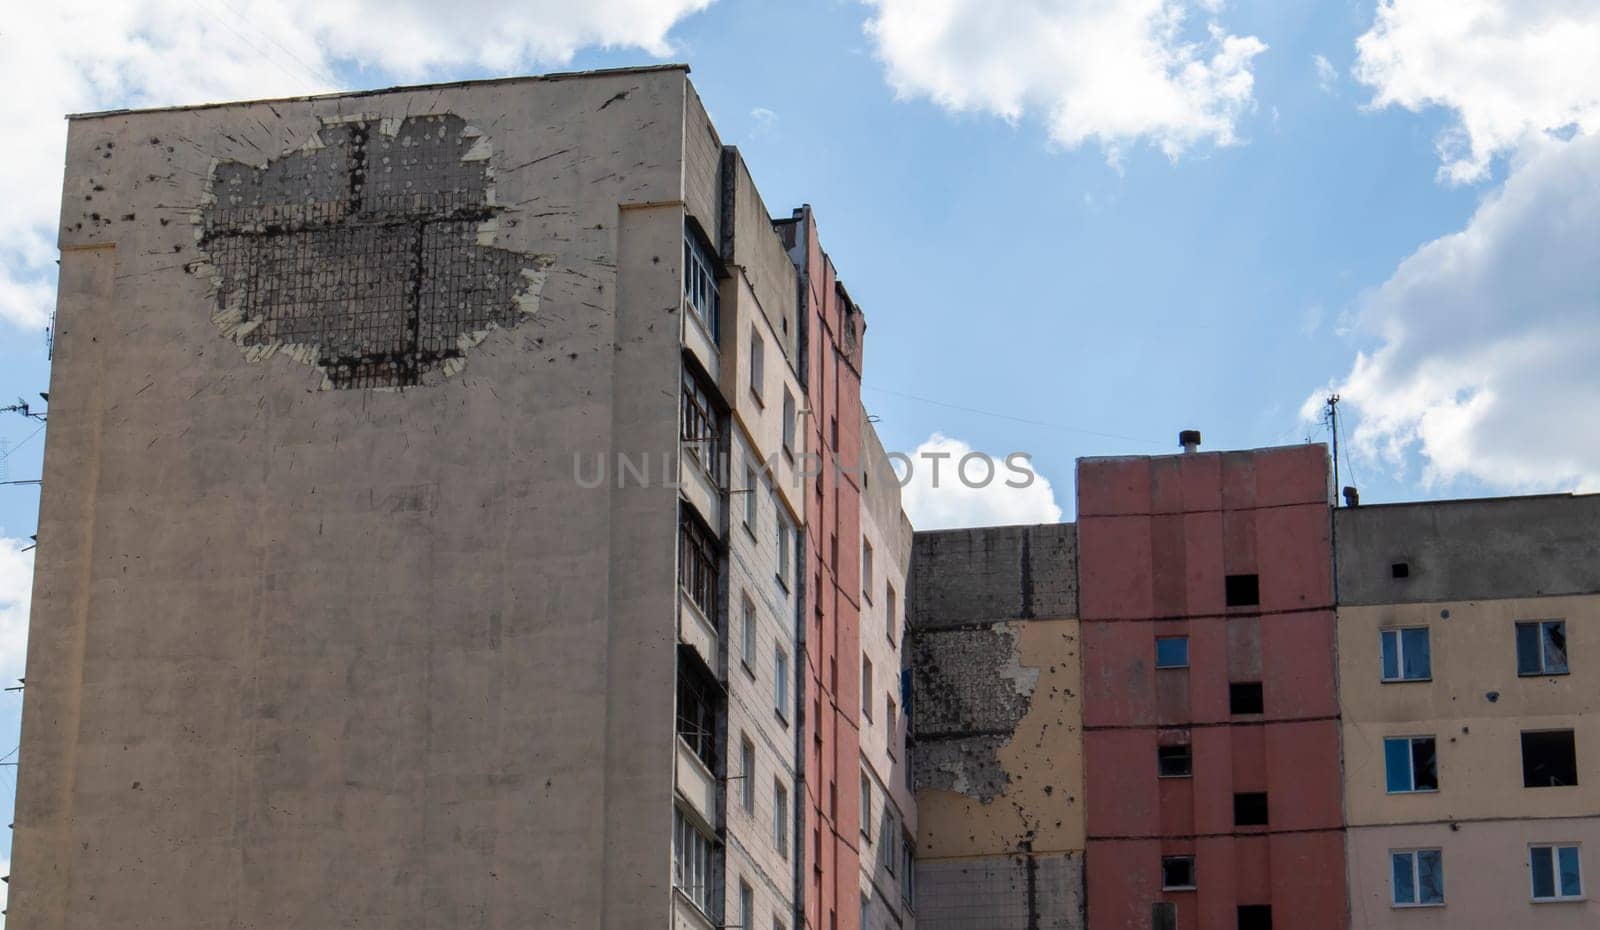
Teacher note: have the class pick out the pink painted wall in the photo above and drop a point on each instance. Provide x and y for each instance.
(1157, 536)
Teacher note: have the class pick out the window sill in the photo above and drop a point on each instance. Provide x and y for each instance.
(1171, 668)
(747, 669)
(1407, 681)
(783, 718)
(782, 583)
(1577, 900)
(749, 529)
(1409, 907)
(1543, 674)
(1413, 791)
(755, 395)
(1178, 887)
(1175, 777)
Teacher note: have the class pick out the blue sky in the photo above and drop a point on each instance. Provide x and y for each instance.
(1075, 227)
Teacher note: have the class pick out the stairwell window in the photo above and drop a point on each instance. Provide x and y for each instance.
(1406, 655)
(780, 818)
(758, 366)
(1417, 877)
(1410, 764)
(866, 570)
(1542, 648)
(866, 687)
(1556, 872)
(747, 769)
(780, 682)
(788, 423)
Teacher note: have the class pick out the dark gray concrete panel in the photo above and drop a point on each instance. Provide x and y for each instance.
(1018, 892)
(1468, 549)
(993, 573)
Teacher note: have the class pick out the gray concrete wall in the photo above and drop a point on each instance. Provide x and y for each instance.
(993, 573)
(1015, 892)
(304, 655)
(1469, 549)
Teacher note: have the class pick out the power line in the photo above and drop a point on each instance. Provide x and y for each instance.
(24, 442)
(1007, 416)
(258, 49)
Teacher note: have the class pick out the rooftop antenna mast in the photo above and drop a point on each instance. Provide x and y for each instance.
(1333, 425)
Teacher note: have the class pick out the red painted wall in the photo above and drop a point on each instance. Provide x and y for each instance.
(833, 635)
(1157, 536)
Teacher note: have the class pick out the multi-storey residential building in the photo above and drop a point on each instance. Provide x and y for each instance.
(1468, 635)
(421, 540)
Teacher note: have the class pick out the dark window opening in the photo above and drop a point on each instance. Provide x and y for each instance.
(697, 713)
(1244, 697)
(1174, 762)
(1250, 810)
(1549, 759)
(1242, 590)
(1177, 872)
(1400, 570)
(701, 432)
(698, 563)
(1163, 916)
(1255, 917)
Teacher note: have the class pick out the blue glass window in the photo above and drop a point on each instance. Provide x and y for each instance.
(1417, 877)
(1555, 872)
(1542, 647)
(1172, 652)
(1406, 655)
(1410, 764)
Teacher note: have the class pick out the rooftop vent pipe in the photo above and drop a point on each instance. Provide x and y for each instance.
(1190, 440)
(1352, 497)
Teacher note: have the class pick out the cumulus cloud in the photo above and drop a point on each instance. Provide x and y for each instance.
(16, 589)
(1327, 74)
(76, 55)
(1109, 73)
(1489, 337)
(950, 485)
(1510, 69)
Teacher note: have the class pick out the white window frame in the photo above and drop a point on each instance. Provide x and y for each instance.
(752, 502)
(1411, 762)
(747, 769)
(747, 905)
(692, 853)
(780, 817)
(1400, 654)
(1539, 626)
(780, 684)
(748, 634)
(1416, 877)
(1555, 877)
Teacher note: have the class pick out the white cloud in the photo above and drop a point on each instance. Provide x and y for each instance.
(1327, 74)
(1489, 337)
(1110, 73)
(75, 55)
(952, 486)
(1510, 69)
(765, 120)
(16, 589)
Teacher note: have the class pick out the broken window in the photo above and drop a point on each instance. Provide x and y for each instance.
(1174, 762)
(1549, 759)
(697, 713)
(1245, 697)
(1163, 916)
(698, 563)
(1406, 655)
(1400, 570)
(1172, 652)
(1556, 872)
(1410, 764)
(1542, 647)
(1242, 590)
(1417, 877)
(700, 282)
(1250, 809)
(1255, 917)
(1177, 873)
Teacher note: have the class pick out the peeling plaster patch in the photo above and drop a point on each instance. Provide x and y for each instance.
(368, 254)
(971, 690)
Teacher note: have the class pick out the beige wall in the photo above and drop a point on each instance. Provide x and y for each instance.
(1486, 877)
(1473, 656)
(306, 658)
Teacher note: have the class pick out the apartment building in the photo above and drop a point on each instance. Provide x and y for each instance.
(1467, 635)
(424, 537)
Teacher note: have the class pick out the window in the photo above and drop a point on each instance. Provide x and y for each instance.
(891, 613)
(1172, 652)
(784, 543)
(697, 563)
(908, 862)
(1255, 917)
(747, 633)
(1410, 764)
(700, 432)
(700, 282)
(780, 681)
(1406, 655)
(866, 570)
(1542, 647)
(697, 711)
(747, 771)
(866, 806)
(747, 906)
(1400, 569)
(752, 503)
(758, 366)
(1174, 762)
(1549, 759)
(788, 422)
(888, 854)
(780, 818)
(691, 861)
(1242, 590)
(889, 715)
(1163, 916)
(1556, 873)
(833, 432)
(866, 687)
(1417, 877)
(1244, 697)
(1250, 809)
(1177, 873)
